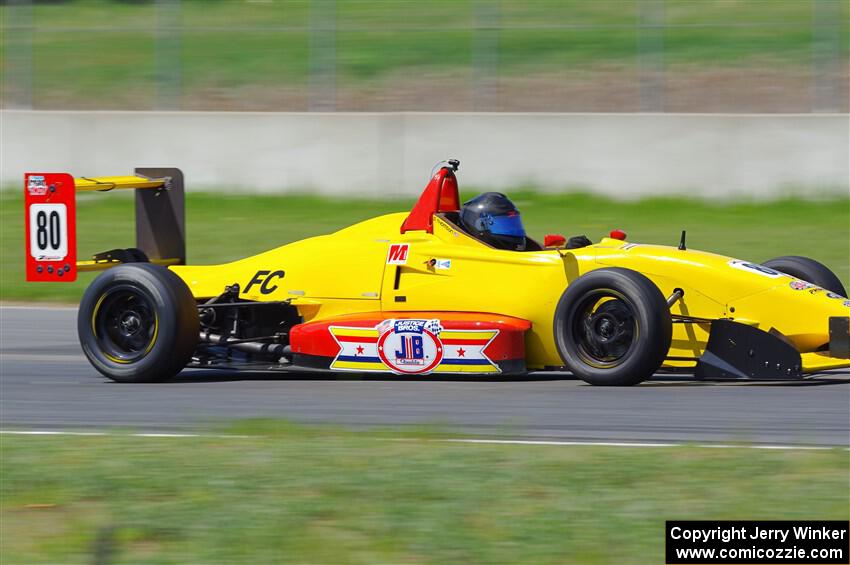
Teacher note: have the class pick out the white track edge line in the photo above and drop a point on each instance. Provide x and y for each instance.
(118, 434)
(564, 443)
(643, 444)
(57, 308)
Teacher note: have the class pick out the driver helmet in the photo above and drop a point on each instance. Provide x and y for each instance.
(493, 218)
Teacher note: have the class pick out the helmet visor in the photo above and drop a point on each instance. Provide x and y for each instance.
(507, 225)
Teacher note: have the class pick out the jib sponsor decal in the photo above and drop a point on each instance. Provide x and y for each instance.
(36, 186)
(847, 303)
(397, 255)
(443, 264)
(755, 268)
(412, 347)
(800, 285)
(834, 296)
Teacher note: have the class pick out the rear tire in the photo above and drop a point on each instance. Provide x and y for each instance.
(808, 270)
(613, 327)
(138, 322)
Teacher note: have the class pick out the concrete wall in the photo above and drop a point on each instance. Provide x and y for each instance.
(627, 155)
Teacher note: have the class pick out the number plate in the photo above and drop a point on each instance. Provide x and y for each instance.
(48, 232)
(51, 250)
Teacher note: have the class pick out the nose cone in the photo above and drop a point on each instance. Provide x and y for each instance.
(722, 287)
(798, 310)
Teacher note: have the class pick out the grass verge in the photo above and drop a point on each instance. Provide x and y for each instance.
(96, 54)
(308, 495)
(223, 228)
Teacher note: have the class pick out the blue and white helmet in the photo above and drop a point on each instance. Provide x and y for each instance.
(494, 219)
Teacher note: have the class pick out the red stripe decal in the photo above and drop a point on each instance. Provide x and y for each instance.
(465, 341)
(357, 339)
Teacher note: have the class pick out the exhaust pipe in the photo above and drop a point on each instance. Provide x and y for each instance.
(271, 350)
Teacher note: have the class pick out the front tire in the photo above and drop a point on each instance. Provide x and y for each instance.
(808, 270)
(613, 327)
(138, 322)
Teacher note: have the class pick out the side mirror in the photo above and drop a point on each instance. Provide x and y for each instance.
(554, 240)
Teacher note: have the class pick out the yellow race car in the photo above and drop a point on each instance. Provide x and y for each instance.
(427, 292)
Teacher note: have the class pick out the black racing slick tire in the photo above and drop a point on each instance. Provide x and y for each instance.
(138, 323)
(613, 327)
(808, 270)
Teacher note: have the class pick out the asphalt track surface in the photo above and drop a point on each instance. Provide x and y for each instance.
(47, 384)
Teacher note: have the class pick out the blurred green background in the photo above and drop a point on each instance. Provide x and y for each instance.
(264, 492)
(278, 493)
(500, 55)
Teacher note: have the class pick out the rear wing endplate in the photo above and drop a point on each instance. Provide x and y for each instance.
(51, 229)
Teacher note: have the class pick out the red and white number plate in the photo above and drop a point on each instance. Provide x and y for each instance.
(50, 217)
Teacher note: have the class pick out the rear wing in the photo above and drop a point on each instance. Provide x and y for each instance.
(51, 229)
